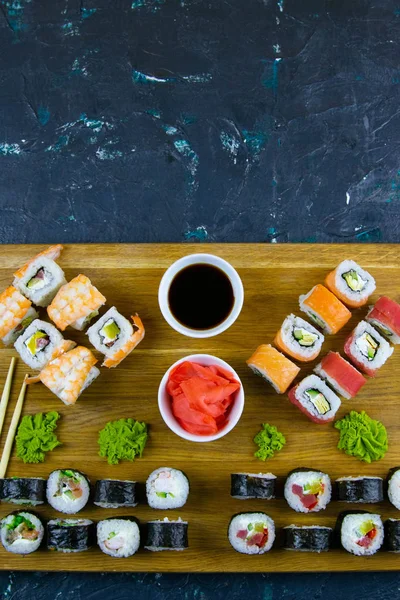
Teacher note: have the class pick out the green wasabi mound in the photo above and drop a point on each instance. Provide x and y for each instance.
(269, 440)
(362, 437)
(36, 436)
(122, 440)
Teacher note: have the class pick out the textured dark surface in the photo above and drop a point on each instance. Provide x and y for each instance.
(168, 120)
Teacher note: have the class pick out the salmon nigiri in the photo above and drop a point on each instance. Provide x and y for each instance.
(273, 366)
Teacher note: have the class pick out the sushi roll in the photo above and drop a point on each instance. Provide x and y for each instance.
(393, 486)
(167, 535)
(385, 316)
(251, 533)
(67, 491)
(112, 493)
(76, 304)
(324, 309)
(359, 489)
(30, 491)
(41, 277)
(167, 488)
(68, 375)
(115, 337)
(360, 533)
(21, 532)
(315, 399)
(245, 486)
(351, 284)
(299, 339)
(307, 538)
(341, 375)
(16, 313)
(367, 349)
(118, 538)
(274, 367)
(36, 346)
(70, 535)
(307, 490)
(392, 535)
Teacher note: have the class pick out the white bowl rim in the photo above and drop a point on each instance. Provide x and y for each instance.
(171, 422)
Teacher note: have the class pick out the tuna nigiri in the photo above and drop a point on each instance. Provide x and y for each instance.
(274, 367)
(324, 309)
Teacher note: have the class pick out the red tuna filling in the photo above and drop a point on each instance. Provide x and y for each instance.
(309, 501)
(258, 539)
(366, 541)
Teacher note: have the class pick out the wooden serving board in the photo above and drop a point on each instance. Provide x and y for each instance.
(273, 277)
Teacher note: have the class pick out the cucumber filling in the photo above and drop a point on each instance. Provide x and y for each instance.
(304, 337)
(367, 345)
(354, 280)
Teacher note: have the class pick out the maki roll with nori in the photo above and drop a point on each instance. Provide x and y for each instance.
(118, 538)
(70, 535)
(315, 399)
(359, 489)
(360, 533)
(350, 283)
(393, 483)
(30, 491)
(250, 485)
(251, 533)
(367, 349)
(392, 535)
(68, 490)
(167, 535)
(307, 490)
(21, 532)
(167, 488)
(309, 538)
(113, 493)
(299, 339)
(38, 343)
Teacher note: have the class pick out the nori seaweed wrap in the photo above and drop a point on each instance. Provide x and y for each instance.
(112, 493)
(70, 535)
(359, 489)
(392, 535)
(249, 485)
(167, 535)
(312, 538)
(27, 491)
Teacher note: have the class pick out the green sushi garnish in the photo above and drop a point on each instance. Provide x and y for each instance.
(122, 440)
(362, 437)
(269, 440)
(36, 436)
(354, 280)
(319, 401)
(304, 337)
(367, 345)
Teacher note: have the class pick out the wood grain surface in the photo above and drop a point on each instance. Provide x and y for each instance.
(273, 277)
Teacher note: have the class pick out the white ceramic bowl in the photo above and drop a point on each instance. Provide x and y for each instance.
(164, 401)
(192, 259)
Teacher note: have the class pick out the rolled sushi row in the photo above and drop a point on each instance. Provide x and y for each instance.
(309, 490)
(68, 491)
(23, 533)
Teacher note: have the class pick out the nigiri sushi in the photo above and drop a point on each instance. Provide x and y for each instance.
(341, 375)
(367, 349)
(41, 277)
(75, 304)
(68, 375)
(324, 309)
(16, 313)
(114, 336)
(38, 343)
(385, 316)
(274, 367)
(350, 283)
(299, 339)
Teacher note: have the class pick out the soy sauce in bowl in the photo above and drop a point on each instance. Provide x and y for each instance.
(201, 296)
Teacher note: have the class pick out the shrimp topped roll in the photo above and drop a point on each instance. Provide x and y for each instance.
(16, 313)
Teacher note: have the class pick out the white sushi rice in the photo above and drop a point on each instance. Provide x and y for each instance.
(394, 489)
(119, 538)
(383, 352)
(349, 533)
(241, 522)
(301, 478)
(42, 357)
(332, 382)
(313, 314)
(162, 548)
(95, 337)
(62, 502)
(11, 337)
(20, 545)
(287, 332)
(167, 488)
(314, 382)
(42, 295)
(369, 286)
(84, 321)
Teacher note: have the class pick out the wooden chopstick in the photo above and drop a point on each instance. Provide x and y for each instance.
(6, 392)
(12, 430)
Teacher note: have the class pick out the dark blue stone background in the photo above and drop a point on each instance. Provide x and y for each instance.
(170, 120)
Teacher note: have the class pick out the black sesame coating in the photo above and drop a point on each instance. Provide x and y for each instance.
(29, 490)
(392, 535)
(167, 534)
(245, 485)
(315, 539)
(62, 536)
(367, 490)
(109, 491)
